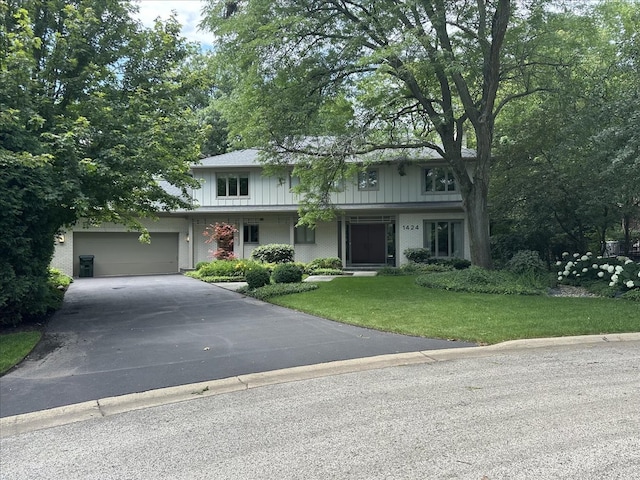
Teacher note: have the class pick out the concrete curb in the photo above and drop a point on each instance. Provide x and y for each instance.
(29, 422)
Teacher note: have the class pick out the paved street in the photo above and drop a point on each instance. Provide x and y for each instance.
(565, 412)
(121, 335)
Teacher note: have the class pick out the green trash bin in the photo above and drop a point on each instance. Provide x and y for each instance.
(86, 265)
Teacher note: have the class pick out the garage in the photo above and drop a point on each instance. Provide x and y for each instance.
(120, 253)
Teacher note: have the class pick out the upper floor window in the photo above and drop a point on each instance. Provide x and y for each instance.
(304, 234)
(439, 179)
(233, 185)
(368, 180)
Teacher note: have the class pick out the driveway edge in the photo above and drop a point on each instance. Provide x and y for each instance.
(29, 422)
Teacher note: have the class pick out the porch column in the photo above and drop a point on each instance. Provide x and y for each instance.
(343, 240)
(239, 241)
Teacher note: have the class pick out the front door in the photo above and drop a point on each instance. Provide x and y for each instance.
(369, 243)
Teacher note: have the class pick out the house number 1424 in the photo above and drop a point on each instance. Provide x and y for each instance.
(410, 227)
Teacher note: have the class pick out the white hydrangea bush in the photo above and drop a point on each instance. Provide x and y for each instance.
(620, 272)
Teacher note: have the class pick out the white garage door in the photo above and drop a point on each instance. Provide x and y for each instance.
(122, 253)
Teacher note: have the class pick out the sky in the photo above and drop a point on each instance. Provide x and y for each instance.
(189, 15)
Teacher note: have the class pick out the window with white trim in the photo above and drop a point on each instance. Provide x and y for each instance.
(232, 185)
(368, 180)
(438, 179)
(304, 234)
(444, 238)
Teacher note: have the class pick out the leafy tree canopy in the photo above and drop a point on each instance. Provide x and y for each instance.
(566, 174)
(95, 114)
(374, 74)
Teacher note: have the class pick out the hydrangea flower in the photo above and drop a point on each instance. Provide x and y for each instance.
(585, 270)
(584, 258)
(630, 284)
(558, 262)
(619, 269)
(601, 274)
(628, 261)
(595, 266)
(610, 269)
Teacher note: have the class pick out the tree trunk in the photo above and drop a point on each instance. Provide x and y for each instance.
(475, 196)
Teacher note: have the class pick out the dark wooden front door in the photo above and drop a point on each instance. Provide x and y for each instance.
(369, 243)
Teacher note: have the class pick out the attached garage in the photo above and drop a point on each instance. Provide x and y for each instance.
(121, 253)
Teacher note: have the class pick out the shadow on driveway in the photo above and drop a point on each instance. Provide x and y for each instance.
(122, 335)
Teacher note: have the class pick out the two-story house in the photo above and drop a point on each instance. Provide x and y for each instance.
(392, 206)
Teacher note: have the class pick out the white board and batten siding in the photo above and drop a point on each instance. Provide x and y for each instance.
(271, 191)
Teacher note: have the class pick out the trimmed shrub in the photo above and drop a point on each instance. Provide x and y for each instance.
(199, 265)
(273, 253)
(329, 262)
(453, 262)
(417, 255)
(279, 289)
(414, 269)
(257, 277)
(526, 261)
(479, 280)
(287, 273)
(221, 268)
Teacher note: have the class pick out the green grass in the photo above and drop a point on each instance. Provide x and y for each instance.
(397, 304)
(15, 346)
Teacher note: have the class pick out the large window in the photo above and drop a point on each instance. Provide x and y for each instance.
(233, 185)
(368, 180)
(439, 179)
(444, 238)
(304, 234)
(250, 234)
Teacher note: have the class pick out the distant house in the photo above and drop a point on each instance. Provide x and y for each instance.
(392, 206)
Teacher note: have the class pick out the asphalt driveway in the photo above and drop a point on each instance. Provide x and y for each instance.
(122, 335)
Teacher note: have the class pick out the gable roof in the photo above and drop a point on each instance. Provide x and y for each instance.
(251, 157)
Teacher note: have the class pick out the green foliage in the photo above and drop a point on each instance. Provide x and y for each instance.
(222, 268)
(279, 289)
(526, 261)
(619, 273)
(453, 262)
(257, 277)
(273, 253)
(362, 78)
(632, 295)
(414, 269)
(565, 174)
(479, 280)
(199, 265)
(417, 255)
(95, 122)
(320, 263)
(287, 273)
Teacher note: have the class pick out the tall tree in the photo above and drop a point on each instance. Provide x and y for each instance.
(375, 74)
(94, 115)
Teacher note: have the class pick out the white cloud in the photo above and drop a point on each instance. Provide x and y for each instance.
(189, 14)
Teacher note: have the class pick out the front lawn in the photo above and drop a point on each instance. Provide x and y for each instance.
(397, 304)
(15, 346)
